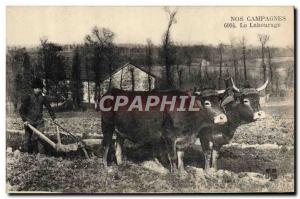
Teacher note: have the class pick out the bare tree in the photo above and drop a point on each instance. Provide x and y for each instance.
(87, 70)
(270, 66)
(101, 41)
(263, 39)
(149, 61)
(234, 58)
(19, 75)
(220, 50)
(243, 42)
(201, 56)
(179, 74)
(290, 77)
(121, 79)
(179, 61)
(132, 79)
(188, 58)
(209, 59)
(168, 48)
(76, 85)
(53, 63)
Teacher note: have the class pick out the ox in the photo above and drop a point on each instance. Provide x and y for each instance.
(241, 106)
(174, 130)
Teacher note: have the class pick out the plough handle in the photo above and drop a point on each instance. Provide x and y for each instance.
(42, 136)
(58, 135)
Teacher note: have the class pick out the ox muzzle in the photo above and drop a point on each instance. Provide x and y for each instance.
(220, 119)
(259, 115)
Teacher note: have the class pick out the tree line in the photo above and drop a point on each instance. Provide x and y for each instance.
(62, 70)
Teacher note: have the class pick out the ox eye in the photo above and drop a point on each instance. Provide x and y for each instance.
(246, 101)
(207, 103)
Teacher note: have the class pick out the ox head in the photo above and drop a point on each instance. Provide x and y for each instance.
(210, 100)
(245, 103)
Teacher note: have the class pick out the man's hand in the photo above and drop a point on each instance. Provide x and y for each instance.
(54, 120)
(26, 123)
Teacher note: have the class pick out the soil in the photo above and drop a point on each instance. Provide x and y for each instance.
(255, 147)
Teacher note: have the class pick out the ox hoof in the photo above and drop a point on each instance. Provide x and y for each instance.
(210, 170)
(183, 173)
(120, 163)
(109, 169)
(104, 164)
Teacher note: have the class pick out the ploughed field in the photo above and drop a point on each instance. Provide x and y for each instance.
(266, 144)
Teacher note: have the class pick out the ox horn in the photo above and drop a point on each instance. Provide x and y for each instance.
(263, 86)
(234, 86)
(221, 91)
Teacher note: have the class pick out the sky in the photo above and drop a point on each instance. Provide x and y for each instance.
(66, 25)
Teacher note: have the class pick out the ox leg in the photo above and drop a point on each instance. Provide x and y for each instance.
(171, 164)
(105, 156)
(107, 143)
(119, 144)
(171, 151)
(215, 155)
(172, 160)
(180, 155)
(107, 146)
(208, 155)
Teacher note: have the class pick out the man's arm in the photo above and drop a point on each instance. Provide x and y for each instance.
(49, 108)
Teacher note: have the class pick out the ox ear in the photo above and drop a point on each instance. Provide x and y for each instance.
(227, 100)
(263, 86)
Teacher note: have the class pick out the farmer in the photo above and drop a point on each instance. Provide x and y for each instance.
(31, 112)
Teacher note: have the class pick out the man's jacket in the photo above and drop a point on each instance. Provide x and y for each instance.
(31, 109)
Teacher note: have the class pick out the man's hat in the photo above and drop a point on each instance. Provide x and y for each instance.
(37, 83)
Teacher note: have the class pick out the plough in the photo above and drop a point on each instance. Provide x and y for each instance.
(80, 144)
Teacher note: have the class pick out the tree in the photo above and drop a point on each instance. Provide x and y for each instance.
(53, 64)
(263, 39)
(188, 58)
(243, 44)
(132, 78)
(19, 75)
(209, 59)
(201, 55)
(289, 81)
(101, 42)
(234, 58)
(168, 49)
(149, 61)
(270, 66)
(220, 50)
(76, 85)
(87, 64)
(178, 62)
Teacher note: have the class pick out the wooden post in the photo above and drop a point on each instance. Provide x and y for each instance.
(58, 145)
(58, 135)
